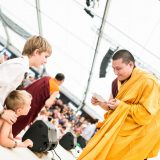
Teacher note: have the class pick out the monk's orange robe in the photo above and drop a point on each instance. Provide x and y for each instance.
(132, 131)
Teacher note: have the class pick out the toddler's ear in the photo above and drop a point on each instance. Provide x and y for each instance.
(35, 52)
(18, 111)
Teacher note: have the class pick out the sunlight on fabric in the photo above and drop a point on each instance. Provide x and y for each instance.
(73, 34)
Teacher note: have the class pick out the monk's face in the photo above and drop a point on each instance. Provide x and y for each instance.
(121, 69)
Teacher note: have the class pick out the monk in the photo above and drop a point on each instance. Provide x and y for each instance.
(131, 126)
(44, 92)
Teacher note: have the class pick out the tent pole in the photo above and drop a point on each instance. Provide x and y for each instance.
(95, 53)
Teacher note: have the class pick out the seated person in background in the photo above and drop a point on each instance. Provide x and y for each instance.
(3, 57)
(19, 101)
(29, 79)
(43, 115)
(89, 130)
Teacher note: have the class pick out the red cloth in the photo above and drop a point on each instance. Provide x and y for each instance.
(115, 88)
(40, 93)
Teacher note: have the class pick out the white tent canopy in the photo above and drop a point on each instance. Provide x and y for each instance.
(73, 34)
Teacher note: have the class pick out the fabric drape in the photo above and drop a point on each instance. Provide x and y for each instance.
(127, 132)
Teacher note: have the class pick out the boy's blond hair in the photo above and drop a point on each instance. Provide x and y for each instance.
(36, 42)
(17, 99)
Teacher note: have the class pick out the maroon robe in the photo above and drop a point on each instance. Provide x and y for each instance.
(114, 88)
(40, 93)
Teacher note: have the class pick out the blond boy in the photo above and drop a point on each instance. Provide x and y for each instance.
(19, 101)
(35, 53)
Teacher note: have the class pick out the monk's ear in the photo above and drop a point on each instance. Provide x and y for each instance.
(131, 64)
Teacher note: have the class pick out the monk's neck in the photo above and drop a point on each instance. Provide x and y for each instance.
(122, 82)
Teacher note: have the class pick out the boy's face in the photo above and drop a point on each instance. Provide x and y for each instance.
(25, 109)
(40, 58)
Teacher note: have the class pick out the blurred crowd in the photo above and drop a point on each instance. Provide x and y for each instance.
(66, 120)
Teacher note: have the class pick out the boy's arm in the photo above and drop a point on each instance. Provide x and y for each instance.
(5, 141)
(11, 136)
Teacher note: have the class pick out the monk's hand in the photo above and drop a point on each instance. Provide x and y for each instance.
(48, 103)
(94, 101)
(113, 103)
(10, 116)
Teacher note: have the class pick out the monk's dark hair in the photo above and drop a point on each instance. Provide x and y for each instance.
(125, 55)
(59, 76)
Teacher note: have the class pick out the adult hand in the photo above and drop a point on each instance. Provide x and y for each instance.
(94, 101)
(103, 105)
(10, 116)
(48, 103)
(113, 103)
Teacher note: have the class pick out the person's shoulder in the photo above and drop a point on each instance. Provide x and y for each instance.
(1, 121)
(47, 77)
(17, 60)
(149, 79)
(148, 75)
(44, 78)
(4, 123)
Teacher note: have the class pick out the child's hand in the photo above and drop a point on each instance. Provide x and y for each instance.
(28, 143)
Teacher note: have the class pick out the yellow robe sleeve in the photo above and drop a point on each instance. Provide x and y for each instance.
(144, 111)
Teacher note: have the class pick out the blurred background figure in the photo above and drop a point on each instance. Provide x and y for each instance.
(4, 56)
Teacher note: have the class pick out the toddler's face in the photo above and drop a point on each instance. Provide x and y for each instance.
(25, 109)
